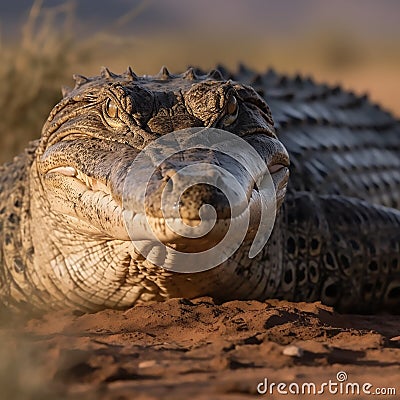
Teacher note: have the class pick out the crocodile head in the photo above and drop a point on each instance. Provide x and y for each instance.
(85, 155)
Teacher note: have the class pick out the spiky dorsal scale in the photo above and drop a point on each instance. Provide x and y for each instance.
(215, 74)
(244, 70)
(129, 73)
(224, 71)
(270, 76)
(190, 74)
(336, 89)
(164, 74)
(65, 91)
(270, 73)
(257, 79)
(80, 80)
(298, 79)
(106, 73)
(283, 81)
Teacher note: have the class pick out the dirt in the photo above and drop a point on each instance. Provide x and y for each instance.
(196, 349)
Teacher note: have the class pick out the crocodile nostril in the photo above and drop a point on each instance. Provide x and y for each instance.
(206, 197)
(168, 179)
(168, 174)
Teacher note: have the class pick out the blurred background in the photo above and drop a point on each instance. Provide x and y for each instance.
(355, 43)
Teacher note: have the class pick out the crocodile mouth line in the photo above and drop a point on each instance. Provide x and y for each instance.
(160, 226)
(92, 184)
(95, 184)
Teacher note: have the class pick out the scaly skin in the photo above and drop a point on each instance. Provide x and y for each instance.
(64, 243)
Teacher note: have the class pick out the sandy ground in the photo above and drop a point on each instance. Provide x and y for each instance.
(196, 349)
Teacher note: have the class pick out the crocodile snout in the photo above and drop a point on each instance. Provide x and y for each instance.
(192, 197)
(199, 185)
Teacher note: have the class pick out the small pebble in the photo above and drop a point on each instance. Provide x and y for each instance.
(293, 351)
(147, 364)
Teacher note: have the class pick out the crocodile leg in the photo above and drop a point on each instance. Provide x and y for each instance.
(342, 251)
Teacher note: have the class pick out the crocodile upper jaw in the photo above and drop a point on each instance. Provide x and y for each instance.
(98, 200)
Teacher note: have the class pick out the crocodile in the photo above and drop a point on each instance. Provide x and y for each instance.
(336, 238)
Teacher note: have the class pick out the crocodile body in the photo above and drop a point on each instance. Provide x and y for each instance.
(336, 237)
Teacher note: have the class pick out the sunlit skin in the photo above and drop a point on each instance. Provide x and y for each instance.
(65, 242)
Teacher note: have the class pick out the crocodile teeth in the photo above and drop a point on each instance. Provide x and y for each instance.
(67, 171)
(92, 183)
(88, 181)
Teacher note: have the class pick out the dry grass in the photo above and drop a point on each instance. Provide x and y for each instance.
(33, 69)
(30, 72)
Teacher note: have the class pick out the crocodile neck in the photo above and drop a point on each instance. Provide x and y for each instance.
(16, 248)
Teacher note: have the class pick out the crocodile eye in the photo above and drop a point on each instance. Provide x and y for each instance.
(111, 109)
(232, 106)
(232, 111)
